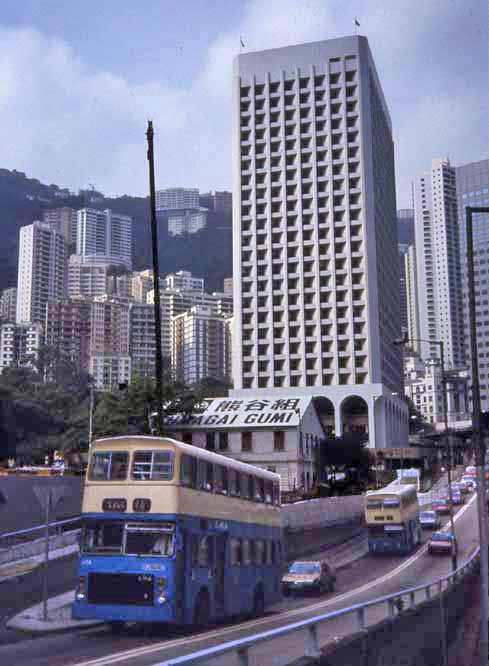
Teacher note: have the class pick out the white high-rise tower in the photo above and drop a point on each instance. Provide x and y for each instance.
(438, 262)
(316, 267)
(41, 272)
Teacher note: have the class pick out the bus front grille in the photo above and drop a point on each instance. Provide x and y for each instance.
(120, 589)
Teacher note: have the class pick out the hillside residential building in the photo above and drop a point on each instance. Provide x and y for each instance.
(473, 190)
(228, 286)
(41, 271)
(200, 346)
(183, 280)
(177, 198)
(19, 343)
(314, 215)
(65, 221)
(110, 372)
(186, 222)
(142, 339)
(109, 327)
(86, 279)
(104, 236)
(438, 263)
(142, 282)
(69, 329)
(8, 304)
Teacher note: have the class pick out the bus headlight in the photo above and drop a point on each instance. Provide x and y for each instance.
(161, 588)
(81, 589)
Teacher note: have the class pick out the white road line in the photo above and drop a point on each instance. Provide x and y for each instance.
(142, 651)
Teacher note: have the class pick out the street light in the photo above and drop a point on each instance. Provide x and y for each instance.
(402, 341)
(477, 441)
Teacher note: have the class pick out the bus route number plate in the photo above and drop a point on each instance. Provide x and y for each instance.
(114, 504)
(141, 505)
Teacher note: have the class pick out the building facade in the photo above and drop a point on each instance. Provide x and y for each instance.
(183, 280)
(200, 346)
(69, 329)
(142, 339)
(473, 190)
(438, 263)
(8, 304)
(313, 189)
(412, 303)
(86, 279)
(186, 222)
(19, 344)
(105, 236)
(64, 220)
(110, 372)
(41, 271)
(177, 198)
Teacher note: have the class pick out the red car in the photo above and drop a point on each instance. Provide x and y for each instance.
(441, 506)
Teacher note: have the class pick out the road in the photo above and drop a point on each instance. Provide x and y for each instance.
(364, 579)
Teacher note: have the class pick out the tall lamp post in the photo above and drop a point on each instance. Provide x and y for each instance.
(478, 442)
(439, 343)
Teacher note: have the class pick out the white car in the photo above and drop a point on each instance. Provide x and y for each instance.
(469, 481)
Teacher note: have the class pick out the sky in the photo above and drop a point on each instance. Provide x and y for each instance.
(79, 80)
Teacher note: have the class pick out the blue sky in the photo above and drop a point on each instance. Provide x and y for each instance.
(78, 81)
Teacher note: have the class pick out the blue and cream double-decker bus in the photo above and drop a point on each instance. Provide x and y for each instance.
(392, 517)
(175, 534)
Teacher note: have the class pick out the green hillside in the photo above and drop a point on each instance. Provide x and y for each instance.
(207, 253)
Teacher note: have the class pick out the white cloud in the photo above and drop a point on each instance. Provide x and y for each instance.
(62, 122)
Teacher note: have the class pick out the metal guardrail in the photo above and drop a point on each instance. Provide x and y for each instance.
(395, 604)
(21, 534)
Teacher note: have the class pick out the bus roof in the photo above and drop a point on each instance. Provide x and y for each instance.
(189, 449)
(394, 489)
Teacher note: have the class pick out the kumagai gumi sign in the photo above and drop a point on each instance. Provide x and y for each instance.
(238, 413)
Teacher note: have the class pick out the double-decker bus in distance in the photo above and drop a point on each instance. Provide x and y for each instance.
(392, 517)
(176, 534)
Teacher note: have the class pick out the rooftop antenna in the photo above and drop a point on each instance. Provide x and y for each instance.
(156, 283)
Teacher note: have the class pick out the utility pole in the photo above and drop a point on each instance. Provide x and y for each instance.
(156, 281)
(90, 416)
(477, 439)
(448, 444)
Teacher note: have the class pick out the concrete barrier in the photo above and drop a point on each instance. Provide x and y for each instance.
(31, 548)
(322, 512)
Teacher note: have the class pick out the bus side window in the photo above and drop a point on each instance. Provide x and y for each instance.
(235, 554)
(260, 554)
(221, 479)
(232, 482)
(188, 471)
(268, 491)
(245, 486)
(246, 552)
(195, 550)
(259, 489)
(205, 552)
(276, 494)
(251, 487)
(239, 483)
(206, 475)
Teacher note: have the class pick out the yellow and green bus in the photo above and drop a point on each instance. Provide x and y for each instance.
(392, 517)
(176, 534)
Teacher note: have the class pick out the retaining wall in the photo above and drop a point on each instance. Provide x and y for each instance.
(322, 512)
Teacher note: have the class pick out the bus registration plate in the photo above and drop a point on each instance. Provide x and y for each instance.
(114, 504)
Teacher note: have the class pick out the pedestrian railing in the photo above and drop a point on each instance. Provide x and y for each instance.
(394, 605)
(9, 539)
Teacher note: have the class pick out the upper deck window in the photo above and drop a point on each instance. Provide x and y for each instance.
(109, 466)
(152, 466)
(391, 503)
(374, 504)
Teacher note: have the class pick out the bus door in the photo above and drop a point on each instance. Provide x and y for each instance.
(180, 587)
(220, 572)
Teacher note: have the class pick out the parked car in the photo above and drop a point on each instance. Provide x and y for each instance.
(429, 520)
(441, 506)
(315, 576)
(442, 542)
(470, 471)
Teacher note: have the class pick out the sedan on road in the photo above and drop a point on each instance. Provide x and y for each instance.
(461, 487)
(457, 499)
(469, 481)
(315, 577)
(429, 520)
(441, 506)
(443, 543)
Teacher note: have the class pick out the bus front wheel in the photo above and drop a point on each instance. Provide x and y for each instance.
(201, 612)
